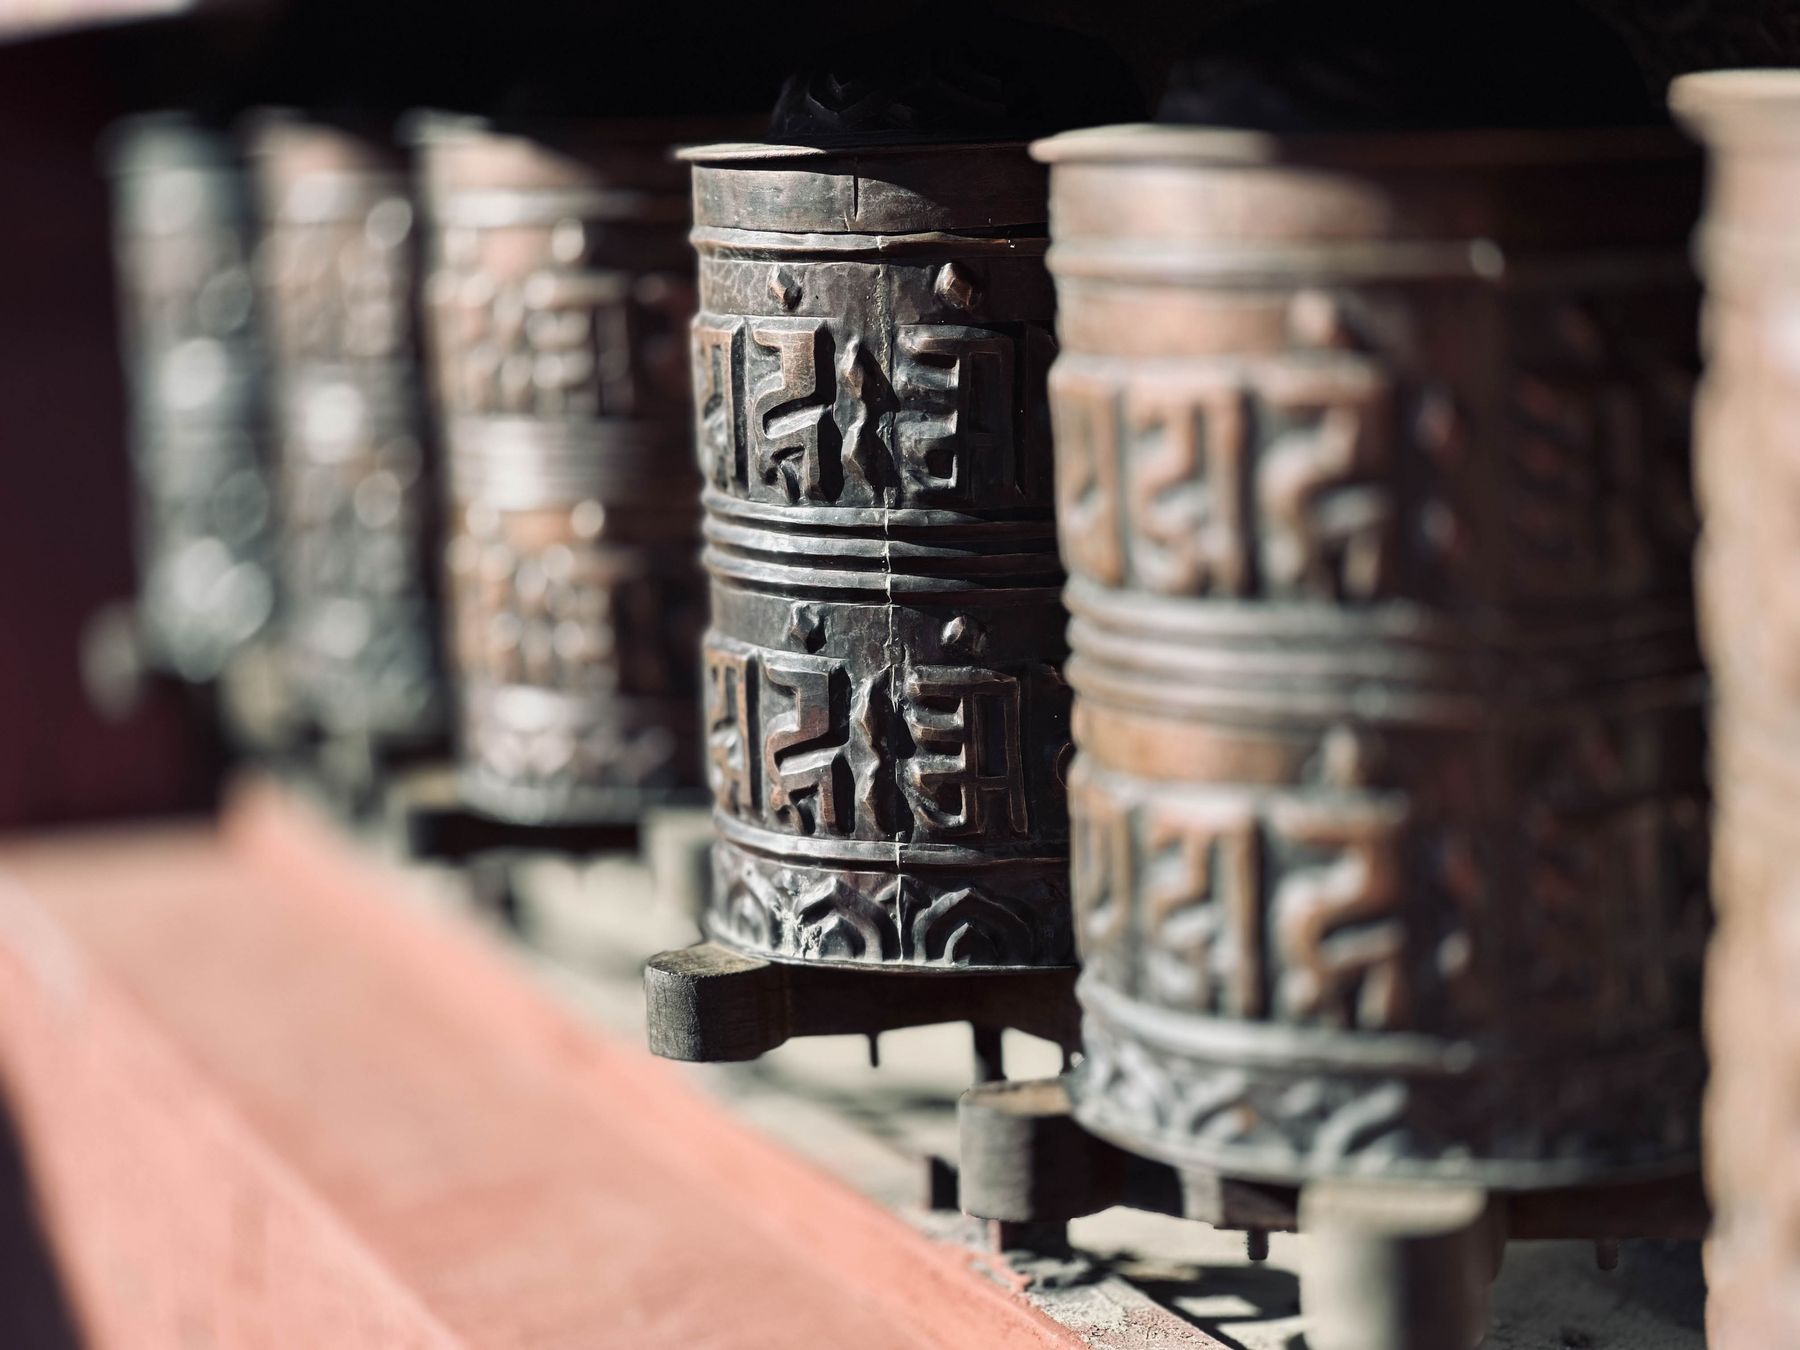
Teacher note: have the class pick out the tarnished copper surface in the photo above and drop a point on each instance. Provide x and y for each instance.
(1751, 624)
(886, 720)
(357, 498)
(193, 364)
(1388, 814)
(559, 298)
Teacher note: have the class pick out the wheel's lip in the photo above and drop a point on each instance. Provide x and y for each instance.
(759, 152)
(1160, 143)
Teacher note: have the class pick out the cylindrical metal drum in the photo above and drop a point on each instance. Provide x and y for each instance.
(356, 501)
(886, 719)
(1388, 813)
(559, 299)
(193, 363)
(1748, 459)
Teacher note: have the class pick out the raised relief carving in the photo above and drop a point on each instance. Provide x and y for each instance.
(1269, 482)
(1088, 501)
(1597, 498)
(1185, 527)
(805, 770)
(572, 329)
(968, 927)
(966, 777)
(827, 424)
(565, 340)
(1337, 916)
(837, 922)
(717, 361)
(797, 742)
(792, 433)
(731, 727)
(1324, 507)
(1102, 868)
(1202, 901)
(952, 919)
(954, 438)
(343, 288)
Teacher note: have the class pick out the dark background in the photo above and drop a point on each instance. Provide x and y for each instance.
(64, 509)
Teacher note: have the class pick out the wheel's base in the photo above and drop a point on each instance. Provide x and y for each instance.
(708, 1003)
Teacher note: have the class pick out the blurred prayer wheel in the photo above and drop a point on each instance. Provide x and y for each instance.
(559, 299)
(357, 498)
(886, 718)
(1750, 120)
(193, 362)
(1389, 816)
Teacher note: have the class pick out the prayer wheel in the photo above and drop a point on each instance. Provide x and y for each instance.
(886, 721)
(1750, 120)
(560, 293)
(1389, 806)
(183, 237)
(357, 500)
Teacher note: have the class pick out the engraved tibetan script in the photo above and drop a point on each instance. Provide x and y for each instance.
(1265, 482)
(966, 775)
(795, 411)
(793, 741)
(955, 437)
(1218, 904)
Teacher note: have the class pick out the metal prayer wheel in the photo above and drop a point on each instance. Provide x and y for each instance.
(1389, 812)
(559, 299)
(1750, 120)
(182, 239)
(356, 500)
(885, 716)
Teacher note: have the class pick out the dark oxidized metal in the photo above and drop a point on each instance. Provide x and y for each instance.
(193, 364)
(886, 720)
(1747, 472)
(559, 300)
(357, 502)
(1389, 816)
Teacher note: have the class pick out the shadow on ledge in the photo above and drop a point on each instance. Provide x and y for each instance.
(35, 1313)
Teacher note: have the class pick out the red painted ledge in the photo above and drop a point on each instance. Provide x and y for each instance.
(260, 1103)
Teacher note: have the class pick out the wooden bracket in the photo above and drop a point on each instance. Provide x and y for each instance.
(708, 1003)
(1026, 1159)
(429, 820)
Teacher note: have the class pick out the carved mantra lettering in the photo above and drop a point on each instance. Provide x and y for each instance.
(784, 731)
(790, 416)
(1206, 877)
(965, 722)
(1291, 905)
(1598, 492)
(790, 410)
(561, 341)
(558, 616)
(342, 292)
(803, 746)
(1238, 482)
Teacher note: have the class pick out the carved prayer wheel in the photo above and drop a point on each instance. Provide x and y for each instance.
(559, 298)
(1389, 820)
(357, 499)
(182, 236)
(886, 721)
(1751, 122)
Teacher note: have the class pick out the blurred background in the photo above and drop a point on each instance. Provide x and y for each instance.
(69, 68)
(89, 730)
(70, 751)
